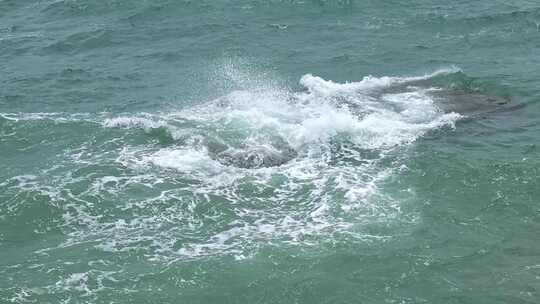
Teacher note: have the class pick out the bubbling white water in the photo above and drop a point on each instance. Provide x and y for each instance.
(329, 126)
(261, 165)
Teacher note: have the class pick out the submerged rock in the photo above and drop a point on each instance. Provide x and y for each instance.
(468, 103)
(256, 157)
(272, 154)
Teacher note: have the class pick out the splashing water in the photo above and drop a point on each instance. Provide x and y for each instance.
(257, 166)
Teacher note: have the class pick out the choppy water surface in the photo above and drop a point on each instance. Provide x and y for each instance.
(269, 152)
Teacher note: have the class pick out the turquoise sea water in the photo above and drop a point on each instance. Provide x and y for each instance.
(269, 151)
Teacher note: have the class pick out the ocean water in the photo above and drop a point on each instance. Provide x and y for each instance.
(330, 151)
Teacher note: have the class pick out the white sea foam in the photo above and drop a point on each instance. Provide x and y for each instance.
(332, 147)
(319, 86)
(184, 160)
(313, 124)
(55, 117)
(133, 122)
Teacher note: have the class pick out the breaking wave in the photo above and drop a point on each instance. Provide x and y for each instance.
(255, 167)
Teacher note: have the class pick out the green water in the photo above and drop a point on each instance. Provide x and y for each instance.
(269, 151)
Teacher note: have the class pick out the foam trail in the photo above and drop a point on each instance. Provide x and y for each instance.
(132, 122)
(317, 85)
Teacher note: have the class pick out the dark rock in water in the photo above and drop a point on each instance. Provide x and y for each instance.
(257, 157)
(272, 154)
(465, 99)
(466, 102)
